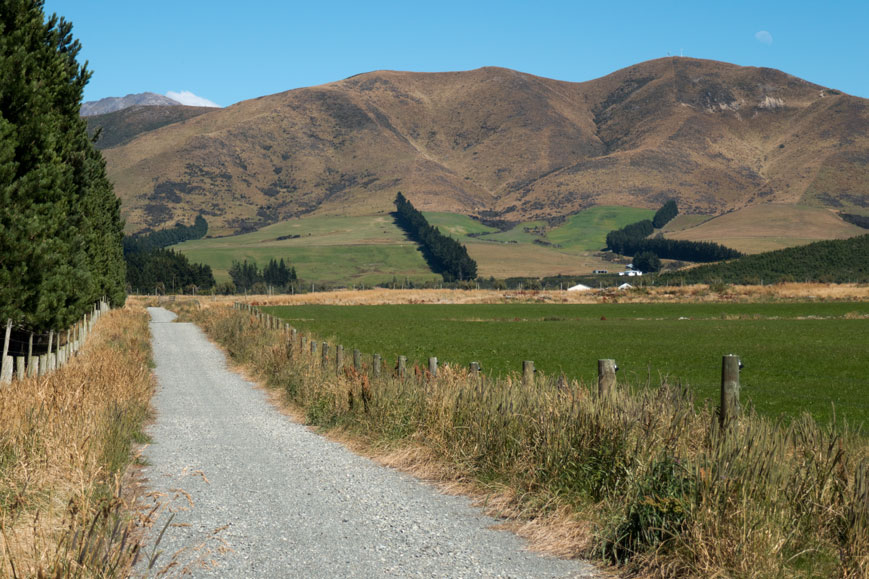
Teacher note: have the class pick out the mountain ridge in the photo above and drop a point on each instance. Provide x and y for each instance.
(501, 144)
(112, 104)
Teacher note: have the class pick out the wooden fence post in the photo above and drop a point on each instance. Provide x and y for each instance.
(474, 369)
(325, 354)
(43, 365)
(20, 363)
(303, 342)
(433, 367)
(729, 411)
(5, 351)
(376, 365)
(606, 377)
(313, 347)
(528, 373)
(402, 367)
(6, 370)
(33, 368)
(357, 360)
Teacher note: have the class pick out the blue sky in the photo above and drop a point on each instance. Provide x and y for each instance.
(228, 51)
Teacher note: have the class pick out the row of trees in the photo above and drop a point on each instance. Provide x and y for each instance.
(166, 237)
(165, 271)
(277, 274)
(665, 214)
(152, 267)
(443, 254)
(60, 223)
(833, 261)
(633, 240)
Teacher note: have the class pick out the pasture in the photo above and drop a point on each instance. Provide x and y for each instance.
(326, 249)
(352, 250)
(801, 356)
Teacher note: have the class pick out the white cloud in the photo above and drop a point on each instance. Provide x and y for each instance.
(763, 36)
(185, 97)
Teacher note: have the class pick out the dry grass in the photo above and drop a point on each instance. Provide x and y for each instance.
(646, 481)
(655, 294)
(759, 228)
(65, 441)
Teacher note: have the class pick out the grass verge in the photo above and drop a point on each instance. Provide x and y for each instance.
(646, 481)
(65, 441)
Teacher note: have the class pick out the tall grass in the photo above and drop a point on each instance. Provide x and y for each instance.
(65, 440)
(666, 490)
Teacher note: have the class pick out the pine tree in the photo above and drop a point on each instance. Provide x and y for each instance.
(60, 226)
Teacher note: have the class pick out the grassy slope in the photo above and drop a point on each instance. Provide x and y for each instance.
(371, 249)
(768, 227)
(328, 249)
(791, 361)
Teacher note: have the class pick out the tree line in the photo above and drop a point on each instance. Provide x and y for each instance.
(633, 239)
(166, 237)
(276, 274)
(166, 271)
(833, 261)
(60, 222)
(152, 267)
(443, 254)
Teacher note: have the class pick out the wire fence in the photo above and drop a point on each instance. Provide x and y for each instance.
(27, 354)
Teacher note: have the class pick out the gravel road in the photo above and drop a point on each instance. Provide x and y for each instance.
(294, 504)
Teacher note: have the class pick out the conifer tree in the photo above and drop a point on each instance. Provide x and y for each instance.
(60, 226)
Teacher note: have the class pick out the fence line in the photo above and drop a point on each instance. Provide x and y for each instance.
(56, 356)
(729, 409)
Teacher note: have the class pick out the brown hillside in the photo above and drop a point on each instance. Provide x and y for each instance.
(500, 143)
(120, 127)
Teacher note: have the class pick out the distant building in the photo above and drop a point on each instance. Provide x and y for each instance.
(578, 288)
(600, 271)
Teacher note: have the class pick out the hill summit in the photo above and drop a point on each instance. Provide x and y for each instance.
(112, 104)
(502, 144)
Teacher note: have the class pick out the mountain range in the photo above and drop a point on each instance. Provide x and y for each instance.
(497, 144)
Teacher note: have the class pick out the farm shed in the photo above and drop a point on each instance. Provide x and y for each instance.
(578, 288)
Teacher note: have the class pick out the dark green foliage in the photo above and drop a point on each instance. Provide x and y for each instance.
(167, 271)
(657, 513)
(166, 237)
(631, 240)
(619, 239)
(647, 262)
(444, 254)
(698, 251)
(834, 261)
(60, 225)
(276, 274)
(665, 214)
(858, 220)
(150, 266)
(244, 275)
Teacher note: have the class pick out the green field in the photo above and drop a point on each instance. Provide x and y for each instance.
(336, 250)
(798, 356)
(583, 232)
(368, 250)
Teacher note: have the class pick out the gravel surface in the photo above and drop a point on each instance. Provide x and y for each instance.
(294, 504)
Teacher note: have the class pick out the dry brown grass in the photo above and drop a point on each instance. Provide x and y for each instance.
(64, 443)
(760, 228)
(686, 294)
